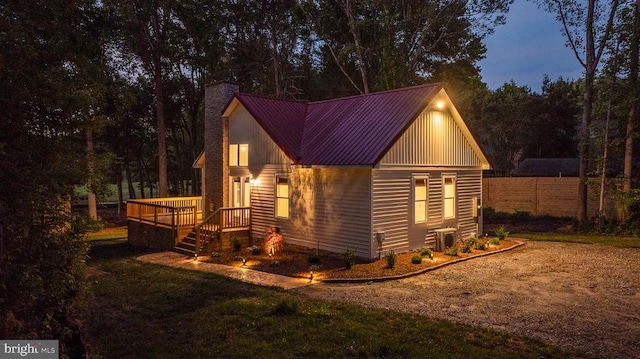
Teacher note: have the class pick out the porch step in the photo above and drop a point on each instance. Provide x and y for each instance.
(187, 246)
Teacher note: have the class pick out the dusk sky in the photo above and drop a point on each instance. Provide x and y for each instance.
(526, 48)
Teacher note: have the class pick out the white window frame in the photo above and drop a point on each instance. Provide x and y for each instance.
(238, 155)
(281, 201)
(420, 201)
(449, 198)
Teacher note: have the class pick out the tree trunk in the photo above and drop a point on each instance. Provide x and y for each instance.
(127, 172)
(634, 108)
(161, 127)
(358, 48)
(92, 203)
(119, 186)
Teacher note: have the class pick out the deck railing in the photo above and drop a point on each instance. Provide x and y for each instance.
(220, 220)
(176, 212)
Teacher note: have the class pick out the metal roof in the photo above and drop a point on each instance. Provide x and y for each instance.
(355, 130)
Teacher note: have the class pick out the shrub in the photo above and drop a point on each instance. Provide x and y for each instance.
(469, 244)
(494, 241)
(348, 258)
(466, 246)
(238, 258)
(274, 264)
(501, 232)
(235, 243)
(314, 258)
(481, 245)
(426, 252)
(391, 258)
(416, 259)
(451, 251)
(256, 250)
(472, 240)
(215, 254)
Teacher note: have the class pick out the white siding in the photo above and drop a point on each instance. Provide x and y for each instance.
(392, 205)
(331, 208)
(243, 128)
(434, 139)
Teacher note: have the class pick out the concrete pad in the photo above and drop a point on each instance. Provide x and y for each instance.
(177, 260)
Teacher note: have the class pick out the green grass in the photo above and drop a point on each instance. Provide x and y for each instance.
(606, 240)
(108, 235)
(141, 310)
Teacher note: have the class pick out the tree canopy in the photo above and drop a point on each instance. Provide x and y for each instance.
(104, 91)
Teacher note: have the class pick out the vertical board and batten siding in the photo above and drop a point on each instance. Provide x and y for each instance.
(434, 139)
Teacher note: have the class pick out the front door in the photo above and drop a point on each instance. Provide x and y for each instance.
(240, 192)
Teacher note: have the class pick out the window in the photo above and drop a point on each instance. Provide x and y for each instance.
(238, 155)
(449, 197)
(282, 197)
(420, 203)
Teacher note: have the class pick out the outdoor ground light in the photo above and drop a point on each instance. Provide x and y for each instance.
(244, 262)
(310, 275)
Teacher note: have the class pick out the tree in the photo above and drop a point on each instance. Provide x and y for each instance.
(634, 85)
(500, 130)
(587, 32)
(553, 116)
(41, 248)
(146, 29)
(384, 44)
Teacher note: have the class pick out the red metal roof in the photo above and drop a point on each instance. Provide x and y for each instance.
(355, 130)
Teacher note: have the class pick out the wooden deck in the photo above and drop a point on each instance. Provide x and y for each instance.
(180, 212)
(170, 220)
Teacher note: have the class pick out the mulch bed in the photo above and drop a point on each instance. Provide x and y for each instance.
(299, 262)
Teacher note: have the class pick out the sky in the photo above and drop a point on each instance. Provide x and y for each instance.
(529, 46)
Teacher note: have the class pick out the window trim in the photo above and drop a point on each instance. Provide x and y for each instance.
(414, 180)
(278, 197)
(236, 159)
(453, 178)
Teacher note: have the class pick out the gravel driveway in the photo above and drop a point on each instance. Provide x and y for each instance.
(572, 295)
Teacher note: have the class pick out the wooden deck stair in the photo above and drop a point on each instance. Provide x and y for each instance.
(216, 232)
(187, 245)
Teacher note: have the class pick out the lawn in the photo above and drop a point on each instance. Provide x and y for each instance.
(587, 238)
(139, 310)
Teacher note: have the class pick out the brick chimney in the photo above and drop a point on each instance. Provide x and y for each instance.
(216, 145)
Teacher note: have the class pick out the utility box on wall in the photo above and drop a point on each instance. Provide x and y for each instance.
(476, 207)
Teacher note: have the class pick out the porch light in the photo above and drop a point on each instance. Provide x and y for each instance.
(440, 104)
(254, 182)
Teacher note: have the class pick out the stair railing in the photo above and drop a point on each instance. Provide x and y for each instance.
(219, 220)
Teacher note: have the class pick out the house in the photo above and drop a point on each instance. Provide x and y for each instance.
(395, 170)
